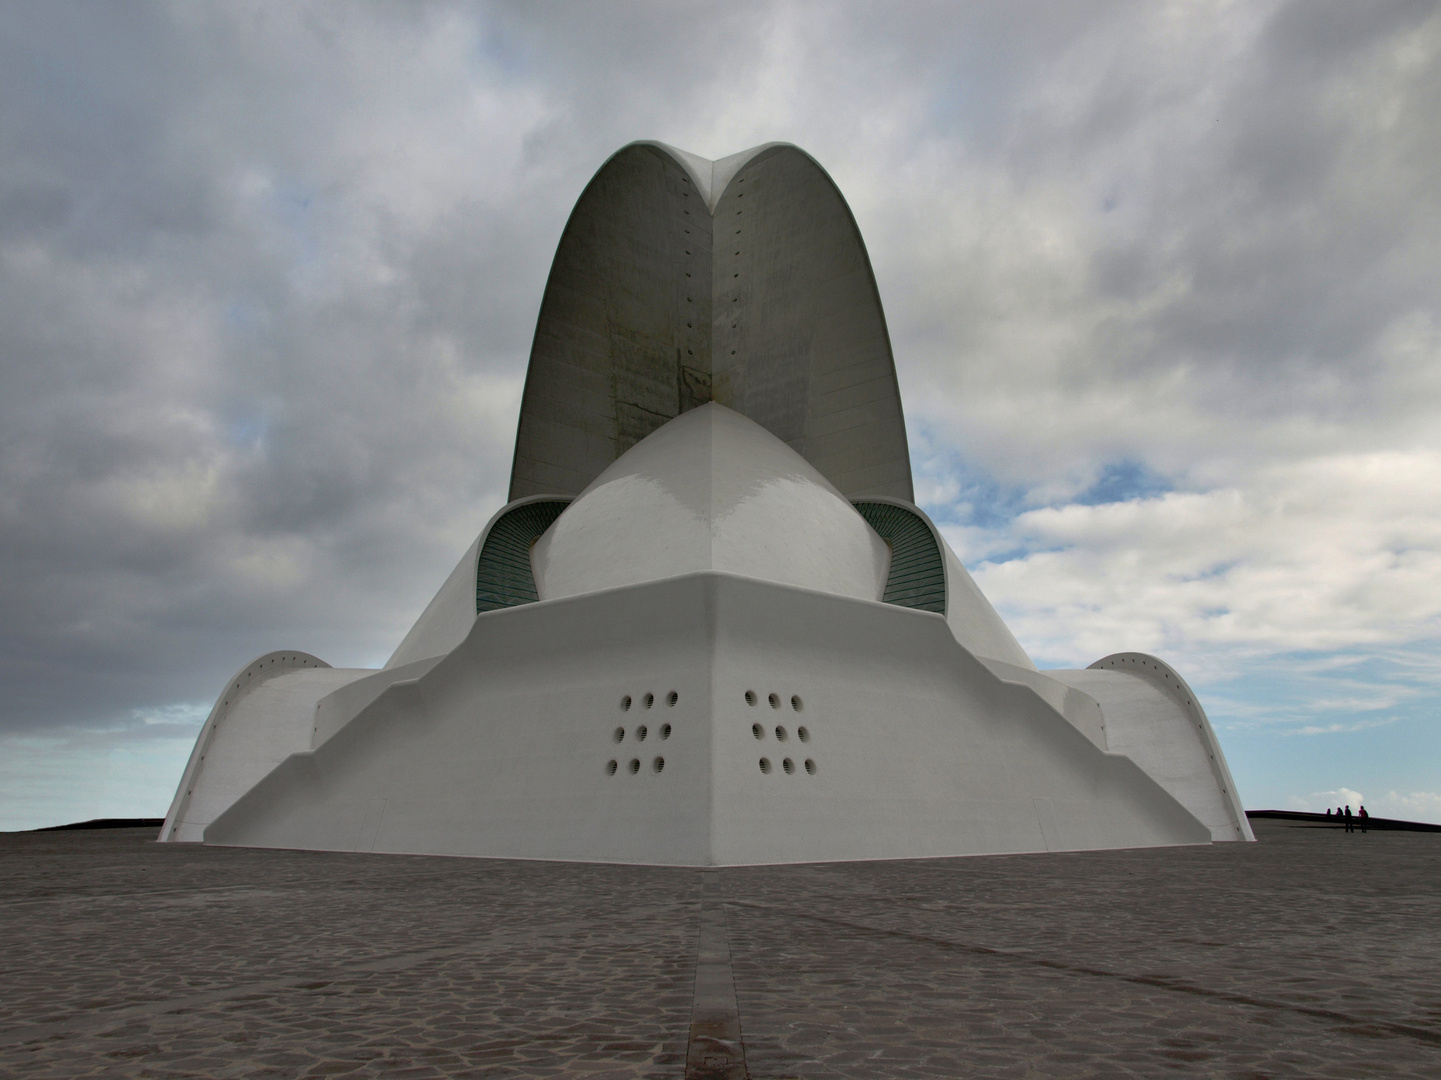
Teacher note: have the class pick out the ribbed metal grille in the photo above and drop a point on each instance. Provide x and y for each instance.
(918, 573)
(503, 576)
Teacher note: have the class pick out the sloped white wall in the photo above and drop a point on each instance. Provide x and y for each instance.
(264, 714)
(502, 749)
(1153, 717)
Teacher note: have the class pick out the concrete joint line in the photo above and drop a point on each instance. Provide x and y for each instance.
(1160, 982)
(715, 1051)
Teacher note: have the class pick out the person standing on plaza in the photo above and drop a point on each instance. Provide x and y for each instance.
(1364, 816)
(1350, 827)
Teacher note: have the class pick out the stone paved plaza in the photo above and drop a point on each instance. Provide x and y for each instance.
(1308, 954)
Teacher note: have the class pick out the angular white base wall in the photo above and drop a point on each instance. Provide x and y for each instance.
(502, 748)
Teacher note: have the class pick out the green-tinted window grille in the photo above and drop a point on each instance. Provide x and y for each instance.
(918, 572)
(503, 577)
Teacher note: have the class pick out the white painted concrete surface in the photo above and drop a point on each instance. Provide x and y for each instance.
(447, 618)
(264, 714)
(711, 490)
(1153, 718)
(975, 623)
(503, 748)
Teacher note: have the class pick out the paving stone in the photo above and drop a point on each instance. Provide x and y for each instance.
(1308, 954)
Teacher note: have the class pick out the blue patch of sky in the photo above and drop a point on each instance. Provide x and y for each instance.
(248, 430)
(247, 318)
(293, 204)
(1365, 718)
(495, 53)
(1124, 481)
(973, 498)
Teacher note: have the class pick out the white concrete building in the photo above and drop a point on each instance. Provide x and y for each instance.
(711, 627)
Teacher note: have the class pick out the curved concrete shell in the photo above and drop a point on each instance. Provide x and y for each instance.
(1155, 719)
(679, 281)
(711, 490)
(711, 627)
(265, 713)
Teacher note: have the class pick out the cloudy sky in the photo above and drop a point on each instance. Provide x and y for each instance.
(1163, 282)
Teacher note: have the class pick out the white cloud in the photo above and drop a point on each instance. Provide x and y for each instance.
(1319, 801)
(268, 278)
(1341, 728)
(1410, 806)
(1424, 806)
(1322, 554)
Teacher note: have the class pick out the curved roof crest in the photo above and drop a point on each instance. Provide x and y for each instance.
(679, 281)
(712, 177)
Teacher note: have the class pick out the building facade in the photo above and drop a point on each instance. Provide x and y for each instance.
(711, 627)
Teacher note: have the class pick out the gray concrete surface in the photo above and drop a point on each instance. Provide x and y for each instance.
(1309, 954)
(664, 295)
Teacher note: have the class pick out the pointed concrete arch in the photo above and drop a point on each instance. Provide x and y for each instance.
(679, 281)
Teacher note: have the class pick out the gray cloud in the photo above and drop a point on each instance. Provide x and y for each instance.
(268, 276)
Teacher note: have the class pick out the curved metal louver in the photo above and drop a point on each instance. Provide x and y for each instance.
(918, 572)
(503, 577)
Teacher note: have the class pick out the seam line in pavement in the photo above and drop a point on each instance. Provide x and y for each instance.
(715, 1050)
(1162, 982)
